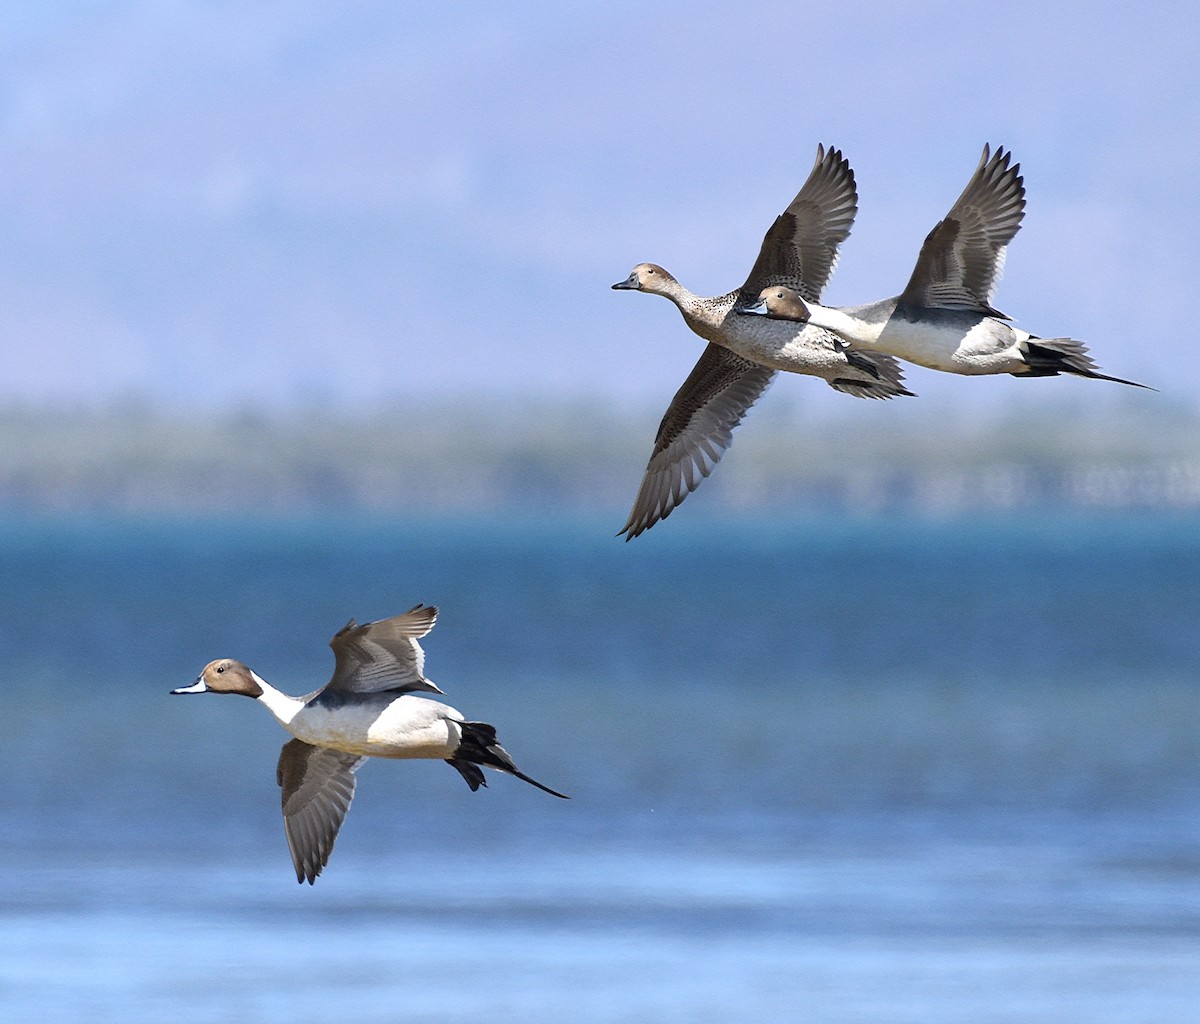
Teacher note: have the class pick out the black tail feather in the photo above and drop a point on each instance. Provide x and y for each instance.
(1048, 357)
(471, 772)
(479, 747)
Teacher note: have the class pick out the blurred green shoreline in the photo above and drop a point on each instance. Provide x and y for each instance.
(473, 455)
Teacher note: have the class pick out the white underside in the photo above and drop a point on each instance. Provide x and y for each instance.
(986, 346)
(408, 727)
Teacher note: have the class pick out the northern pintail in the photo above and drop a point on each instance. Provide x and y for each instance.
(365, 710)
(744, 353)
(944, 318)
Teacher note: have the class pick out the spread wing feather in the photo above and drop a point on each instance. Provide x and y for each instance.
(963, 256)
(318, 787)
(800, 248)
(383, 655)
(694, 433)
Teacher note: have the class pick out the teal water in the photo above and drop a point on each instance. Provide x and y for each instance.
(823, 770)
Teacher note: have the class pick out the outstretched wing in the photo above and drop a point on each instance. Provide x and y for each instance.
(800, 249)
(695, 432)
(382, 655)
(963, 256)
(318, 785)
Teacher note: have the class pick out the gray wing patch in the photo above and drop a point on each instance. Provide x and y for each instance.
(383, 655)
(694, 433)
(800, 249)
(963, 256)
(318, 786)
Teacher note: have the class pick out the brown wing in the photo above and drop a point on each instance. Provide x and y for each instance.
(383, 655)
(694, 433)
(963, 256)
(800, 249)
(318, 786)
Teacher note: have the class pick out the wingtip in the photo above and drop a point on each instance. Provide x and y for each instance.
(1001, 159)
(631, 529)
(831, 156)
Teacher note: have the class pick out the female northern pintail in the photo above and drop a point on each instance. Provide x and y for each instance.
(743, 354)
(944, 318)
(365, 710)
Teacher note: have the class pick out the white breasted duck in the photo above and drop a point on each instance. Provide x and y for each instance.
(944, 318)
(799, 251)
(366, 710)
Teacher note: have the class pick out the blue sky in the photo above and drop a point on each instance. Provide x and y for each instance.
(214, 205)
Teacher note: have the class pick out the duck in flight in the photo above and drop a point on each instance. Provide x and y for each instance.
(744, 353)
(944, 319)
(367, 709)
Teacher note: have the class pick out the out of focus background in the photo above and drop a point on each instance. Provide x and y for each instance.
(212, 206)
(305, 315)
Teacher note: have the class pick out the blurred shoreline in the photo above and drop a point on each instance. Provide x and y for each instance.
(464, 455)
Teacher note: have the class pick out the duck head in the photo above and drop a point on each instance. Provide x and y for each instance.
(779, 303)
(646, 277)
(225, 676)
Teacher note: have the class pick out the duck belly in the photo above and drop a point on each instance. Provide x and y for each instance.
(786, 346)
(978, 346)
(406, 727)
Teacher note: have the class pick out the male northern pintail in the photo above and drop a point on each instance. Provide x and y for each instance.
(744, 353)
(365, 710)
(944, 318)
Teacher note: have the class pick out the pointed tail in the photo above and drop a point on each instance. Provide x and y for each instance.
(1047, 357)
(477, 747)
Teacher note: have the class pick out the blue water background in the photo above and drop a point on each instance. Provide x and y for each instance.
(885, 770)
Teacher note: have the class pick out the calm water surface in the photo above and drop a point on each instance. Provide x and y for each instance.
(823, 770)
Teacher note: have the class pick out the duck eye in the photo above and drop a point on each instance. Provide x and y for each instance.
(220, 669)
